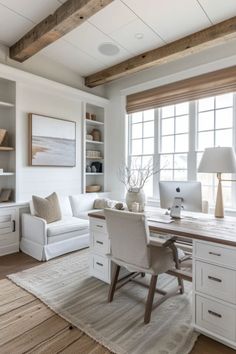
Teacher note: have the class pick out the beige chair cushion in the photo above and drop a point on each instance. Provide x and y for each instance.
(47, 208)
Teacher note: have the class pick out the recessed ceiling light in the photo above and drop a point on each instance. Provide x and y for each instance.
(138, 35)
(108, 49)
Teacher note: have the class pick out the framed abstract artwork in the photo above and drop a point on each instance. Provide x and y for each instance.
(52, 141)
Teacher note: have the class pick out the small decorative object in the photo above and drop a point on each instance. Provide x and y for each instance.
(98, 166)
(3, 137)
(1, 171)
(93, 154)
(88, 115)
(96, 134)
(88, 169)
(52, 141)
(136, 196)
(134, 180)
(119, 206)
(93, 116)
(93, 169)
(93, 188)
(135, 207)
(5, 195)
(89, 137)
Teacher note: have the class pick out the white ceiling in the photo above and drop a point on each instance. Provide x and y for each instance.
(158, 21)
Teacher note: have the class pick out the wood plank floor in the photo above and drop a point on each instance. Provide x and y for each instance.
(29, 326)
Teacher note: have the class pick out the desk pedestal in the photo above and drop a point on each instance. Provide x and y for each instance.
(214, 291)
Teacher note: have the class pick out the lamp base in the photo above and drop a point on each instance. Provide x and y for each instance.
(219, 208)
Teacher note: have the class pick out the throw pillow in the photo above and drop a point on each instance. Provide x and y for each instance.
(47, 208)
(103, 203)
(100, 203)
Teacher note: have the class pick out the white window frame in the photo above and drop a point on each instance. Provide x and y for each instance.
(191, 154)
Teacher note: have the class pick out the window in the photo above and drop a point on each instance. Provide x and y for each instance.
(141, 143)
(174, 138)
(215, 128)
(174, 141)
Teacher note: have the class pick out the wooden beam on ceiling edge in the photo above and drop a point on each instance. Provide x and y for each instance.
(66, 18)
(191, 44)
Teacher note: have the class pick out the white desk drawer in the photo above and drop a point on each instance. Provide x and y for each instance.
(217, 254)
(216, 317)
(98, 225)
(216, 281)
(100, 267)
(101, 243)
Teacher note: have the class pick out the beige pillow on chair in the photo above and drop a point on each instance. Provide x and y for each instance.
(47, 208)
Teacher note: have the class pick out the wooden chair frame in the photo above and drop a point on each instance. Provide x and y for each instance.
(117, 284)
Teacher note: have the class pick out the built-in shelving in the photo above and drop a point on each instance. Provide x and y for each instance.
(94, 178)
(6, 104)
(8, 122)
(6, 148)
(7, 174)
(94, 142)
(94, 158)
(93, 122)
(94, 174)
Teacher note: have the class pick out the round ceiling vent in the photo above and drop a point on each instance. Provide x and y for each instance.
(108, 49)
(138, 35)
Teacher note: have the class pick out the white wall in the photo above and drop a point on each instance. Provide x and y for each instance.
(45, 67)
(45, 180)
(35, 94)
(206, 61)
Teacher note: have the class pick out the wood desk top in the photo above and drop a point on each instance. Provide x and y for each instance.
(195, 226)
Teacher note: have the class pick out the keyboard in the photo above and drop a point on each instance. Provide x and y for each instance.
(164, 219)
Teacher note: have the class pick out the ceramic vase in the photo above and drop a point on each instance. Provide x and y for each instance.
(136, 196)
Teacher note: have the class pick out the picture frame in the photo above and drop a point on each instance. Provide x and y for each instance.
(52, 141)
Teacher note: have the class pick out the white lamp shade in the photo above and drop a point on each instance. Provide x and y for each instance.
(218, 160)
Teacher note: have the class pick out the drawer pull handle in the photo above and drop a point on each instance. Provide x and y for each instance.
(215, 279)
(13, 225)
(99, 242)
(101, 226)
(100, 264)
(215, 254)
(214, 314)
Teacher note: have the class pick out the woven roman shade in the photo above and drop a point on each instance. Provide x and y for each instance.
(206, 85)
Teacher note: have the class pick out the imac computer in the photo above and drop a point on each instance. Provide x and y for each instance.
(176, 195)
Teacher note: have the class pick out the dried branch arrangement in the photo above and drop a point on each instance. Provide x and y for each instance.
(135, 178)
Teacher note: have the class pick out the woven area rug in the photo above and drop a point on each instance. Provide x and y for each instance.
(65, 286)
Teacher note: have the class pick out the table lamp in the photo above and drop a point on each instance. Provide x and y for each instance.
(218, 160)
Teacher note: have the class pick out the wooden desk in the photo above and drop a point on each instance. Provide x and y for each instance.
(214, 266)
(194, 226)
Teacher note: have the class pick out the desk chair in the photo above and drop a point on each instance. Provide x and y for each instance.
(129, 237)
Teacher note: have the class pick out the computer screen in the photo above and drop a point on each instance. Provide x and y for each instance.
(190, 192)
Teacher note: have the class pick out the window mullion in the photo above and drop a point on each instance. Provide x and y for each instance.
(129, 139)
(234, 146)
(192, 156)
(156, 156)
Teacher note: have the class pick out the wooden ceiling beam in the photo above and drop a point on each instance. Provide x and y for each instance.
(193, 43)
(66, 18)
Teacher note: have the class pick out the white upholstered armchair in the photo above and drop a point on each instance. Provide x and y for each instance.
(45, 241)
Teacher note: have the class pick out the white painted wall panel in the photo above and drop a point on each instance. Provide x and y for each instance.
(45, 180)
